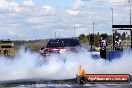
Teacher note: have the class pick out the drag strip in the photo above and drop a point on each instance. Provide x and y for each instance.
(14, 83)
(36, 81)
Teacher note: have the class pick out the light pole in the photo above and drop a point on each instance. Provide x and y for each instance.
(112, 30)
(130, 21)
(55, 34)
(112, 15)
(93, 35)
(130, 10)
(74, 31)
(93, 27)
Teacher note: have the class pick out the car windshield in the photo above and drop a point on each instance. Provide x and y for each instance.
(63, 43)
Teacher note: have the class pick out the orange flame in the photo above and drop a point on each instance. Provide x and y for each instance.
(81, 71)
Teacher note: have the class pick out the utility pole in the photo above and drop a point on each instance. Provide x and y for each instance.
(55, 34)
(130, 21)
(59, 32)
(112, 15)
(65, 30)
(93, 32)
(92, 38)
(130, 10)
(74, 32)
(112, 30)
(93, 27)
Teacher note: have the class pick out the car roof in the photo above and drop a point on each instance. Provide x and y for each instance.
(64, 38)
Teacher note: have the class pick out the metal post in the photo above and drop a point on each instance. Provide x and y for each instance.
(112, 15)
(55, 34)
(74, 32)
(59, 33)
(93, 32)
(93, 27)
(130, 10)
(92, 38)
(131, 39)
(130, 22)
(112, 30)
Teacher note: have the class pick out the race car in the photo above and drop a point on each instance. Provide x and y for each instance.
(61, 45)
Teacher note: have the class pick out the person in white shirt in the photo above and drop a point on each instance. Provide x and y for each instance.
(117, 43)
(103, 45)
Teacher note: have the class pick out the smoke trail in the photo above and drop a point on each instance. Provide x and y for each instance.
(27, 65)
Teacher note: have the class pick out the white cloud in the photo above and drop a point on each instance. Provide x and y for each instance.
(30, 21)
(48, 9)
(12, 33)
(12, 6)
(114, 2)
(28, 3)
(78, 4)
(3, 3)
(73, 13)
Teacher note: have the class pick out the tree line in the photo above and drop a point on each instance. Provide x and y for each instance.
(86, 38)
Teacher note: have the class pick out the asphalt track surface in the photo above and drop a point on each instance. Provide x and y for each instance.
(70, 83)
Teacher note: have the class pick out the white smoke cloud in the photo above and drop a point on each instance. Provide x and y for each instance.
(28, 65)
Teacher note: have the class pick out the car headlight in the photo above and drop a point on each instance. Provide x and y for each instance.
(62, 51)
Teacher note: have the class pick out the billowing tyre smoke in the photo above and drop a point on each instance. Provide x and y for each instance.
(30, 65)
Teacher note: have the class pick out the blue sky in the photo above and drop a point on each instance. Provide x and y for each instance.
(54, 3)
(58, 3)
(18, 1)
(40, 19)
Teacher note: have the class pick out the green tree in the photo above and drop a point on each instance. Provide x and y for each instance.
(81, 36)
(123, 36)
